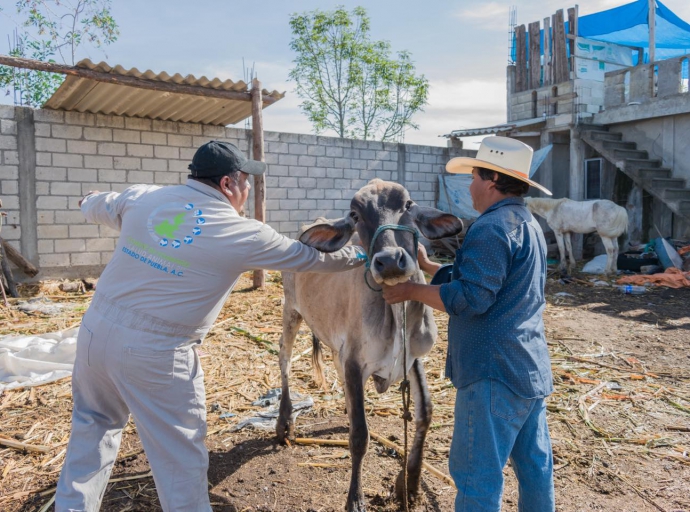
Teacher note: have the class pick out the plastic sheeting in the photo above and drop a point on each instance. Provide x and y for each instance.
(456, 189)
(628, 25)
(32, 360)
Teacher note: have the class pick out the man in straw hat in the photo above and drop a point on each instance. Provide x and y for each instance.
(497, 354)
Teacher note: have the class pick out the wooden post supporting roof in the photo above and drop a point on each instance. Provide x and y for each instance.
(561, 73)
(652, 32)
(534, 56)
(521, 78)
(258, 154)
(572, 36)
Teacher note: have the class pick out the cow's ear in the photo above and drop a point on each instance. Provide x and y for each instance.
(435, 224)
(329, 236)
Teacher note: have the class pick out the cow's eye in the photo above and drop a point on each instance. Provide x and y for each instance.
(354, 216)
(408, 205)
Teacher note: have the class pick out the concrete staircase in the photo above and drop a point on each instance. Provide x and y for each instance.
(646, 172)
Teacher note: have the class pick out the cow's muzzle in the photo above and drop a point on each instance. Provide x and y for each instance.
(392, 265)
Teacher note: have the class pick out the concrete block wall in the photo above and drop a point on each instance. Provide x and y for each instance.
(308, 176)
(9, 174)
(521, 104)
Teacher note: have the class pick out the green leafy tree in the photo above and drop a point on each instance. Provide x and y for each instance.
(51, 31)
(350, 84)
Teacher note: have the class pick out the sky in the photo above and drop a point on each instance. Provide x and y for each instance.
(461, 46)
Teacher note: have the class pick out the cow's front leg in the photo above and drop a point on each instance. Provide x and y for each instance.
(359, 433)
(291, 322)
(422, 416)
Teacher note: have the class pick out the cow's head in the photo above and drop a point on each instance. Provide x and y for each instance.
(393, 254)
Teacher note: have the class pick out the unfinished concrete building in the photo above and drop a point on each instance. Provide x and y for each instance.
(613, 109)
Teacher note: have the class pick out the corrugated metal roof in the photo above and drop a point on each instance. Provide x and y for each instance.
(84, 94)
(489, 130)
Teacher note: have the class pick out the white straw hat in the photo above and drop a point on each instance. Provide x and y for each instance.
(500, 154)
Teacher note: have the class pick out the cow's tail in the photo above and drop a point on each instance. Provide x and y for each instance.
(317, 361)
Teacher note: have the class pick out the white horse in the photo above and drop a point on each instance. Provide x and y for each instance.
(565, 216)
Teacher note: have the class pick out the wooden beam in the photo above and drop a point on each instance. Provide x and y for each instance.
(572, 35)
(562, 97)
(521, 79)
(534, 56)
(16, 257)
(560, 57)
(548, 64)
(258, 154)
(131, 81)
(652, 31)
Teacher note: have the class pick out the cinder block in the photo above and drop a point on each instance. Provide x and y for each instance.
(342, 204)
(332, 193)
(10, 157)
(83, 231)
(307, 182)
(98, 162)
(288, 204)
(288, 159)
(333, 151)
(82, 175)
(296, 193)
(10, 172)
(297, 149)
(112, 148)
(164, 126)
(6, 112)
(335, 173)
(288, 182)
(297, 170)
(80, 118)
(316, 193)
(271, 158)
(53, 260)
(189, 128)
(160, 139)
(212, 131)
(67, 160)
(127, 163)
(317, 172)
(107, 232)
(166, 152)
(51, 145)
(325, 183)
(68, 217)
(106, 257)
(131, 136)
(110, 121)
(10, 187)
(308, 139)
(46, 247)
(48, 116)
(140, 177)
(180, 140)
(85, 258)
(66, 131)
(54, 231)
(8, 127)
(278, 215)
(65, 189)
(316, 150)
(187, 154)
(299, 215)
(45, 217)
(289, 137)
(277, 147)
(98, 134)
(150, 164)
(167, 178)
(137, 123)
(324, 204)
(42, 188)
(81, 147)
(108, 176)
(276, 193)
(324, 161)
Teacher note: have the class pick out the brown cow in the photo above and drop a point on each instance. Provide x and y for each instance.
(363, 332)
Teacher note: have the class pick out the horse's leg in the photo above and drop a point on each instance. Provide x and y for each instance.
(569, 246)
(614, 265)
(611, 253)
(561, 249)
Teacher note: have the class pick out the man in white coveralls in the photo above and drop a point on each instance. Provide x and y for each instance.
(181, 250)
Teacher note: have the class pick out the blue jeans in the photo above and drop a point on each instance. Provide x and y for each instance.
(491, 424)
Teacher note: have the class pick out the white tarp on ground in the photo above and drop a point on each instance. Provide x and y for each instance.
(32, 360)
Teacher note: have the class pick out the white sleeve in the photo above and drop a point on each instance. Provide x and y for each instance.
(108, 207)
(270, 250)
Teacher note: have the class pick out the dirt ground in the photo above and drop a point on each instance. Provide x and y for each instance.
(619, 419)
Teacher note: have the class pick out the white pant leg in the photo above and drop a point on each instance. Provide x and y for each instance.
(99, 414)
(164, 390)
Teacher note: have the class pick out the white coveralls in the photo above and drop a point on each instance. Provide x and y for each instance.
(180, 252)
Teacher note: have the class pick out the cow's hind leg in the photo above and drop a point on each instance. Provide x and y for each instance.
(359, 432)
(291, 322)
(422, 413)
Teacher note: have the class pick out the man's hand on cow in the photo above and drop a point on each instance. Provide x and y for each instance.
(425, 263)
(398, 293)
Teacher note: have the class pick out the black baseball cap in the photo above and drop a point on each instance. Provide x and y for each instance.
(217, 158)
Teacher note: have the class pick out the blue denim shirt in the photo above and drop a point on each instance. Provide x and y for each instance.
(495, 300)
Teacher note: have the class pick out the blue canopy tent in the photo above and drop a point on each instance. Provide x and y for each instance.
(628, 25)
